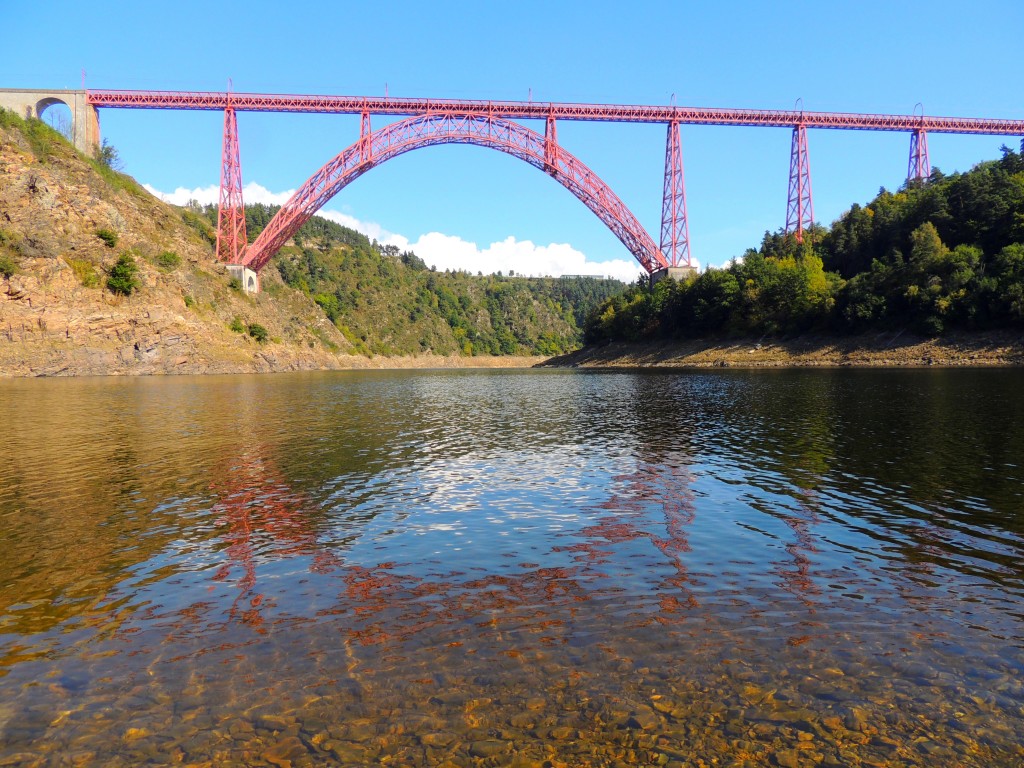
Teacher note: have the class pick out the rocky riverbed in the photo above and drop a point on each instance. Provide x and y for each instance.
(532, 712)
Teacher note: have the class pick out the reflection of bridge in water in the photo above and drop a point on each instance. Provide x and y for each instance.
(487, 123)
(263, 519)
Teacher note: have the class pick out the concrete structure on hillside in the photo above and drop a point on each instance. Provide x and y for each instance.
(85, 119)
(679, 274)
(249, 280)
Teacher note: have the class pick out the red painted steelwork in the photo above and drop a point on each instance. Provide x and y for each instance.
(675, 232)
(799, 208)
(364, 137)
(231, 238)
(551, 146)
(675, 237)
(919, 167)
(542, 111)
(455, 128)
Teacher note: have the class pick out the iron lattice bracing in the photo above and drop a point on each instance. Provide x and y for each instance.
(919, 166)
(675, 245)
(231, 237)
(372, 149)
(799, 207)
(400, 107)
(675, 232)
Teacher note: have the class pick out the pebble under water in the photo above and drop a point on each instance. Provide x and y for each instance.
(514, 568)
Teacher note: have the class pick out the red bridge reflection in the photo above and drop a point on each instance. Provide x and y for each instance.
(263, 518)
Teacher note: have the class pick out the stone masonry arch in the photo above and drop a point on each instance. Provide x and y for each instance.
(85, 119)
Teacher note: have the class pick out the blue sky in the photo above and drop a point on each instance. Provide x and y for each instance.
(452, 204)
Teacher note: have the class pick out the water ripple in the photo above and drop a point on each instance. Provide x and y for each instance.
(436, 555)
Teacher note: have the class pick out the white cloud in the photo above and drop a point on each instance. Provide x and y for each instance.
(521, 256)
(437, 249)
(251, 193)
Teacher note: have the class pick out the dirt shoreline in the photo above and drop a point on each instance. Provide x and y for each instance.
(892, 349)
(48, 361)
(888, 350)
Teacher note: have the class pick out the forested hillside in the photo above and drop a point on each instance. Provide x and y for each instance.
(390, 302)
(941, 255)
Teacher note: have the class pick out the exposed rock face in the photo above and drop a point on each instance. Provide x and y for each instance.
(57, 318)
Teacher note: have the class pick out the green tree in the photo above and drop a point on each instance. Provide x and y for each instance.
(963, 235)
(257, 332)
(709, 302)
(940, 283)
(108, 156)
(168, 261)
(123, 278)
(863, 301)
(328, 302)
(7, 266)
(1005, 299)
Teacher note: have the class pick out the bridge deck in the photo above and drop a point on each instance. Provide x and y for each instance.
(402, 107)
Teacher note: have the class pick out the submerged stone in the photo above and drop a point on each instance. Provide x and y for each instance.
(488, 748)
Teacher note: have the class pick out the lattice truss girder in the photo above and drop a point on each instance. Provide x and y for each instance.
(452, 127)
(779, 118)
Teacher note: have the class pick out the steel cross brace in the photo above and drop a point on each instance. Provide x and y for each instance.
(231, 237)
(800, 206)
(675, 230)
(918, 167)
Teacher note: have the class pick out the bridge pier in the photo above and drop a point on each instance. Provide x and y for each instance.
(249, 279)
(675, 231)
(919, 168)
(800, 206)
(85, 118)
(678, 274)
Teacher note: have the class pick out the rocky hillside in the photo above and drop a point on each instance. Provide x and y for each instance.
(66, 221)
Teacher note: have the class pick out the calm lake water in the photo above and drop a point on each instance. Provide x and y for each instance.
(514, 568)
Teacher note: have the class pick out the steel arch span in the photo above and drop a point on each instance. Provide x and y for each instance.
(452, 127)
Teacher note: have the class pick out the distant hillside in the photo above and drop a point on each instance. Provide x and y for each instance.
(945, 255)
(389, 302)
(99, 277)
